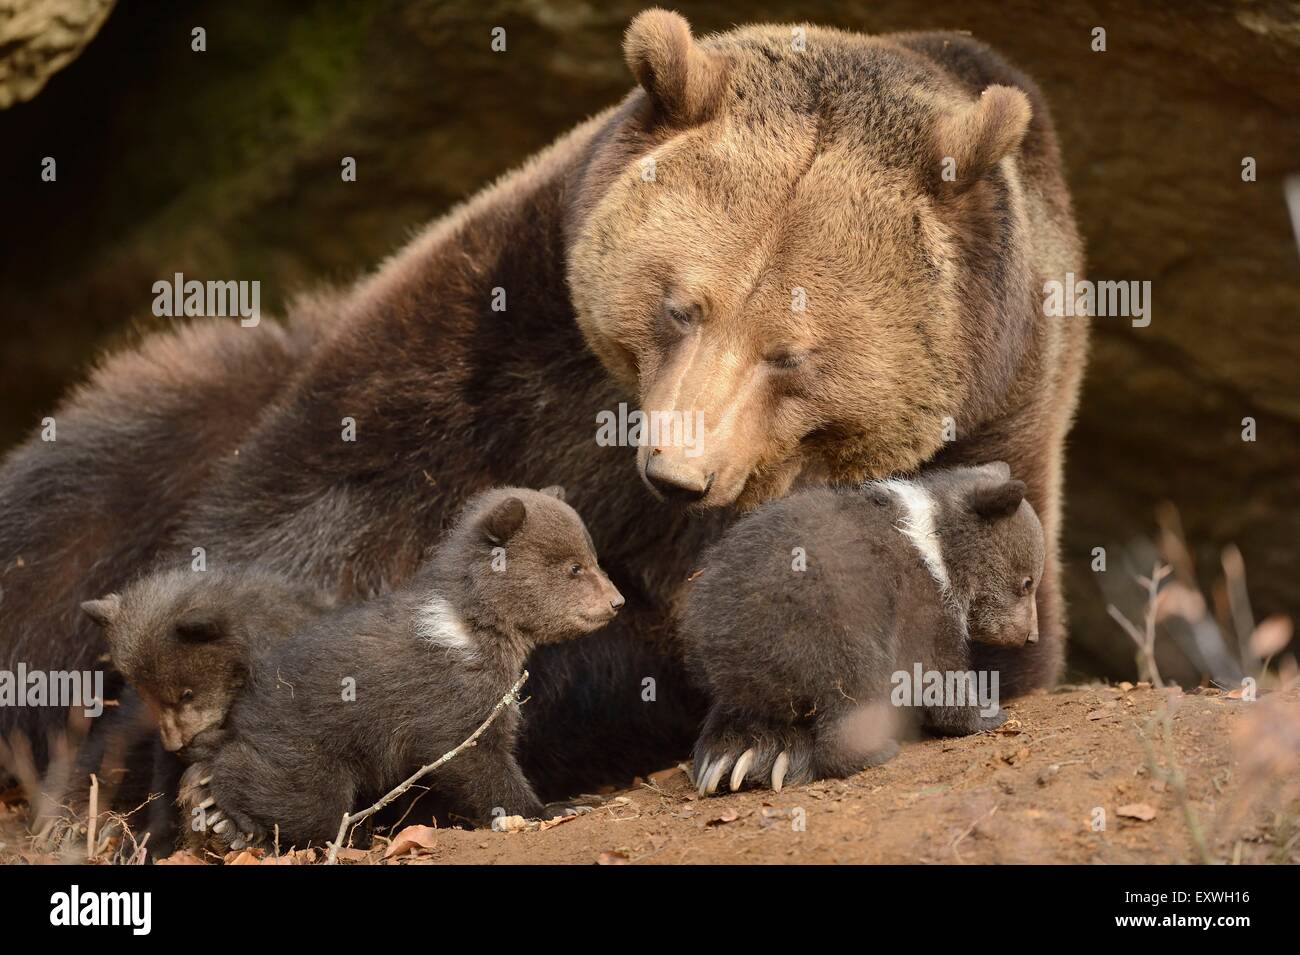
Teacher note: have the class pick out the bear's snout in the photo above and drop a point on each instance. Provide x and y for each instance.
(677, 479)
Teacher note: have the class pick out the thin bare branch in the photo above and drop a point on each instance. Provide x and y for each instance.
(352, 818)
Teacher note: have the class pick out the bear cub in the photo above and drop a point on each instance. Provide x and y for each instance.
(812, 610)
(184, 639)
(355, 701)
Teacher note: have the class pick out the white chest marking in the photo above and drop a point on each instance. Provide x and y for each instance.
(917, 525)
(438, 623)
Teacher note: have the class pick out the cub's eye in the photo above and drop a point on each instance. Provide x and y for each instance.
(1026, 586)
(575, 570)
(787, 360)
(187, 695)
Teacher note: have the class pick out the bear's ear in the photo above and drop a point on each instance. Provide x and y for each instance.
(103, 611)
(554, 491)
(500, 524)
(969, 142)
(994, 502)
(684, 83)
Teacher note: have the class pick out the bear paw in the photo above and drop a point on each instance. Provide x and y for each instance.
(220, 828)
(758, 757)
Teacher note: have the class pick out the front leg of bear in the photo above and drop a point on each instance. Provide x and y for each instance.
(486, 783)
(733, 751)
(737, 749)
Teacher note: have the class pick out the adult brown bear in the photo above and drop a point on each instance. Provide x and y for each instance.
(829, 246)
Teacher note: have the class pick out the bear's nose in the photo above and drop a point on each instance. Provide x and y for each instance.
(617, 602)
(676, 480)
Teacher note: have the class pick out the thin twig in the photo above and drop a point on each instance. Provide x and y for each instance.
(94, 818)
(352, 818)
(1145, 641)
(969, 829)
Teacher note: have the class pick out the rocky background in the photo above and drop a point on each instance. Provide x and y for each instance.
(226, 163)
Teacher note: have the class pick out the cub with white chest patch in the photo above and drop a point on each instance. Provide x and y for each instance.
(338, 713)
(808, 608)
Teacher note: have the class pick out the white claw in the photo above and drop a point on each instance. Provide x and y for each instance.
(238, 844)
(222, 826)
(742, 767)
(205, 780)
(715, 774)
(208, 802)
(702, 774)
(778, 770)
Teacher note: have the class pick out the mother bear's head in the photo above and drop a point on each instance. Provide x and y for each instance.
(809, 240)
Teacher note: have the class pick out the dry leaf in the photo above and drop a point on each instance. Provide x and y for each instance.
(509, 823)
(292, 857)
(1125, 685)
(1271, 636)
(181, 857)
(729, 816)
(1096, 714)
(244, 857)
(612, 857)
(552, 823)
(1137, 810)
(412, 838)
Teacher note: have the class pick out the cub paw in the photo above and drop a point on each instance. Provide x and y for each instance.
(217, 827)
(735, 756)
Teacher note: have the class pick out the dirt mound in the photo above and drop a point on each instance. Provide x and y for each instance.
(1082, 775)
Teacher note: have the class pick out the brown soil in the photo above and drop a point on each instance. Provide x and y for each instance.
(1025, 793)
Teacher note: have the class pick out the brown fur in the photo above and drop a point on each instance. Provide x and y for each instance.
(83, 514)
(923, 297)
(774, 169)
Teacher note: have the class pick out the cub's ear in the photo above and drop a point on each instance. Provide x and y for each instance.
(103, 611)
(977, 136)
(501, 523)
(997, 501)
(684, 82)
(554, 491)
(199, 629)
